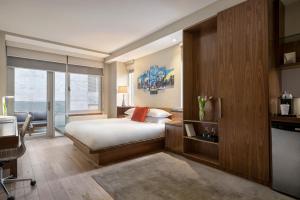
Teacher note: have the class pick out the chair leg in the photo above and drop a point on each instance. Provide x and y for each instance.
(17, 180)
(9, 177)
(4, 188)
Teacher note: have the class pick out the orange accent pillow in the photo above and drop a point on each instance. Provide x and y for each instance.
(140, 114)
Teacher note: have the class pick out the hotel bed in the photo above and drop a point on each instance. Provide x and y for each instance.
(115, 139)
(105, 133)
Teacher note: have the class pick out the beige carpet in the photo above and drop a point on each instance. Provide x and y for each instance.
(167, 176)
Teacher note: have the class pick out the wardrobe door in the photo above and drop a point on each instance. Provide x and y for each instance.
(243, 87)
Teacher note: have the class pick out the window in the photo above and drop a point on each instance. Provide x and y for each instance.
(85, 92)
(130, 89)
(30, 90)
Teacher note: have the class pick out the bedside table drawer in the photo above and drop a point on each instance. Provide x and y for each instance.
(174, 138)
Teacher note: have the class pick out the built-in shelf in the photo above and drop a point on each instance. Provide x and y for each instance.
(201, 140)
(290, 66)
(198, 121)
(202, 158)
(290, 38)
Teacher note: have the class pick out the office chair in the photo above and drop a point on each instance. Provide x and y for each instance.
(7, 155)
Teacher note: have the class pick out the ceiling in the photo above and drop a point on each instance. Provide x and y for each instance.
(160, 44)
(102, 25)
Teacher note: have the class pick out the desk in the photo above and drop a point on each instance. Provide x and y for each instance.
(9, 138)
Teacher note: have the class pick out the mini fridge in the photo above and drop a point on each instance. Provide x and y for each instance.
(286, 158)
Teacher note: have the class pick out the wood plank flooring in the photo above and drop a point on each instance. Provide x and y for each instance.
(62, 173)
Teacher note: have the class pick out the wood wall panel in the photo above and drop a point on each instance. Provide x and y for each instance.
(243, 86)
(188, 77)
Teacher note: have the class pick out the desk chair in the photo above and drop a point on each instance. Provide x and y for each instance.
(7, 155)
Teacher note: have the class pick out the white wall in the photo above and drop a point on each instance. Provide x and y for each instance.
(110, 90)
(122, 80)
(169, 98)
(3, 68)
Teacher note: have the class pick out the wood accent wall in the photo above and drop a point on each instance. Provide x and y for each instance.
(229, 56)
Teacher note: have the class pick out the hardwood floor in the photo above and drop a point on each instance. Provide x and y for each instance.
(61, 172)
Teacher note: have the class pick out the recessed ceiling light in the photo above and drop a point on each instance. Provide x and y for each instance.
(174, 40)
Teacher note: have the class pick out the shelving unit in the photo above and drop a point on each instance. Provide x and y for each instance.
(198, 121)
(200, 41)
(203, 159)
(200, 140)
(198, 149)
(290, 66)
(289, 44)
(223, 60)
(290, 38)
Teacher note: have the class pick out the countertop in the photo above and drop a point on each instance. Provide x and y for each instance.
(287, 119)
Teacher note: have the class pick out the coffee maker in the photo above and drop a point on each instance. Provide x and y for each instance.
(287, 98)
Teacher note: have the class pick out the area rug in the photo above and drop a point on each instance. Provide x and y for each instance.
(167, 176)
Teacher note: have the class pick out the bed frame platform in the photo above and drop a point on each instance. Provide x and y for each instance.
(119, 152)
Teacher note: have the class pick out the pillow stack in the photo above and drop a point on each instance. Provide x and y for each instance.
(144, 114)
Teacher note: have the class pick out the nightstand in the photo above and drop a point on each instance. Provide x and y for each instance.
(121, 111)
(174, 136)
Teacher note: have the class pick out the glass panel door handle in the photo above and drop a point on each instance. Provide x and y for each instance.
(49, 105)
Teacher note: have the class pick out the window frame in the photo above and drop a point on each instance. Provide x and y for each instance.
(131, 89)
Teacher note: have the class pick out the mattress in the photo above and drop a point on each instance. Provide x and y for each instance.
(104, 133)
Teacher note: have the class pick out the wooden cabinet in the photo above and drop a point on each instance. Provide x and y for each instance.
(229, 56)
(243, 53)
(174, 137)
(121, 111)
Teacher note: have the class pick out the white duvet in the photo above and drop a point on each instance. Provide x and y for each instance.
(104, 133)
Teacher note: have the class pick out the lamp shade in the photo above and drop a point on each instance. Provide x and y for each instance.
(122, 89)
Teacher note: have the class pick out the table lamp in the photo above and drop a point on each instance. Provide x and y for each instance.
(123, 90)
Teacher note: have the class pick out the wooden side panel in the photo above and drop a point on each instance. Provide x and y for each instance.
(188, 77)
(276, 30)
(243, 86)
(174, 138)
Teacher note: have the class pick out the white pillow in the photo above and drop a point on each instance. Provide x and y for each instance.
(129, 111)
(157, 120)
(153, 112)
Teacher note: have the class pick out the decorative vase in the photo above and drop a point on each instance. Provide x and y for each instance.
(201, 114)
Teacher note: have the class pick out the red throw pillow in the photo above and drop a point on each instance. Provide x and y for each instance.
(140, 114)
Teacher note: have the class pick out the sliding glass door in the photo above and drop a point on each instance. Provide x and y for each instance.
(53, 92)
(42, 94)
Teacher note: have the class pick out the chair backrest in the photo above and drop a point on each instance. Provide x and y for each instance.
(22, 148)
(25, 126)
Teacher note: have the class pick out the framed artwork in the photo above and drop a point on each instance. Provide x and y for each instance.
(156, 78)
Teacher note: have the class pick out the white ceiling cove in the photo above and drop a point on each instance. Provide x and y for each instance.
(162, 43)
(103, 25)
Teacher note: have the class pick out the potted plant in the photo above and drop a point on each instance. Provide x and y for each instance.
(202, 102)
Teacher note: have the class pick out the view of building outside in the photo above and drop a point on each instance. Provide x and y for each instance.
(84, 95)
(30, 90)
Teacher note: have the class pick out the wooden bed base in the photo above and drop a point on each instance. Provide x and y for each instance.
(120, 152)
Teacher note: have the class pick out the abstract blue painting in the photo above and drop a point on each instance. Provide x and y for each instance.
(156, 78)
